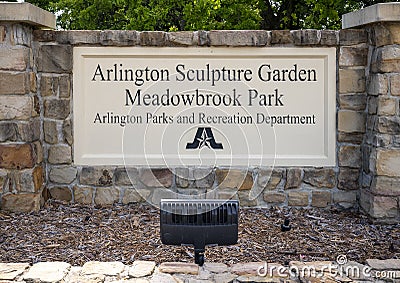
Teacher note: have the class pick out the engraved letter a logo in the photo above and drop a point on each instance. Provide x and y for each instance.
(204, 137)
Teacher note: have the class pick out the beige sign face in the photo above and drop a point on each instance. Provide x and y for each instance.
(204, 106)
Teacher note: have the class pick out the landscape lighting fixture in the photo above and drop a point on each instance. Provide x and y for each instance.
(199, 223)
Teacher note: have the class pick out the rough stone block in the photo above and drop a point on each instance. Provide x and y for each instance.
(379, 207)
(59, 154)
(181, 38)
(372, 107)
(387, 106)
(281, 37)
(48, 85)
(56, 108)
(321, 199)
(64, 86)
(154, 38)
(351, 80)
(156, 178)
(203, 39)
(354, 138)
(395, 84)
(119, 38)
(182, 177)
(269, 178)
(126, 177)
(76, 37)
(29, 180)
(10, 271)
(50, 131)
(293, 178)
(17, 156)
(365, 200)
(14, 59)
(135, 196)
(388, 162)
(47, 272)
(67, 132)
(61, 193)
(387, 186)
(83, 195)
(320, 178)
(45, 35)
(3, 33)
(388, 125)
(329, 37)
(352, 36)
(55, 59)
(179, 267)
(385, 33)
(351, 121)
(203, 177)
(380, 140)
(386, 264)
(245, 199)
(348, 179)
(306, 37)
(225, 194)
(298, 198)
(396, 141)
(38, 147)
(357, 102)
(141, 268)
(106, 196)
(22, 35)
(16, 107)
(345, 199)
(247, 268)
(63, 174)
(8, 131)
(21, 202)
(353, 56)
(350, 156)
(274, 197)
(96, 176)
(32, 82)
(29, 131)
(378, 84)
(234, 179)
(4, 185)
(238, 38)
(14, 83)
(386, 59)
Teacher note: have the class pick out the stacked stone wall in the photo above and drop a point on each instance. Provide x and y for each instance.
(381, 148)
(299, 187)
(21, 159)
(36, 125)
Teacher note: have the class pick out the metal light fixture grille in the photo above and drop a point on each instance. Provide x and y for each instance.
(199, 223)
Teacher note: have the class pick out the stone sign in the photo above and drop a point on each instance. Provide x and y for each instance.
(204, 106)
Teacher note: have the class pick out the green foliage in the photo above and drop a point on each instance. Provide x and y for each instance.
(176, 15)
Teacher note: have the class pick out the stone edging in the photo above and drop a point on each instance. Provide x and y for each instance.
(146, 271)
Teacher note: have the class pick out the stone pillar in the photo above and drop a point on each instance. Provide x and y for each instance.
(380, 192)
(21, 166)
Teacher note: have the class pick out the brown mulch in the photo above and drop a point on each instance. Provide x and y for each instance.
(78, 233)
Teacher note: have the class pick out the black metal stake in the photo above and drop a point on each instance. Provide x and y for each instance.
(199, 256)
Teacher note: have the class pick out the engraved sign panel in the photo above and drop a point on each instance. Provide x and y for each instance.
(204, 106)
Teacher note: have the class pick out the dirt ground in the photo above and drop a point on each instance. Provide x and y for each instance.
(77, 234)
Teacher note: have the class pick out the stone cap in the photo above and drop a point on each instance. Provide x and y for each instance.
(27, 13)
(383, 12)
